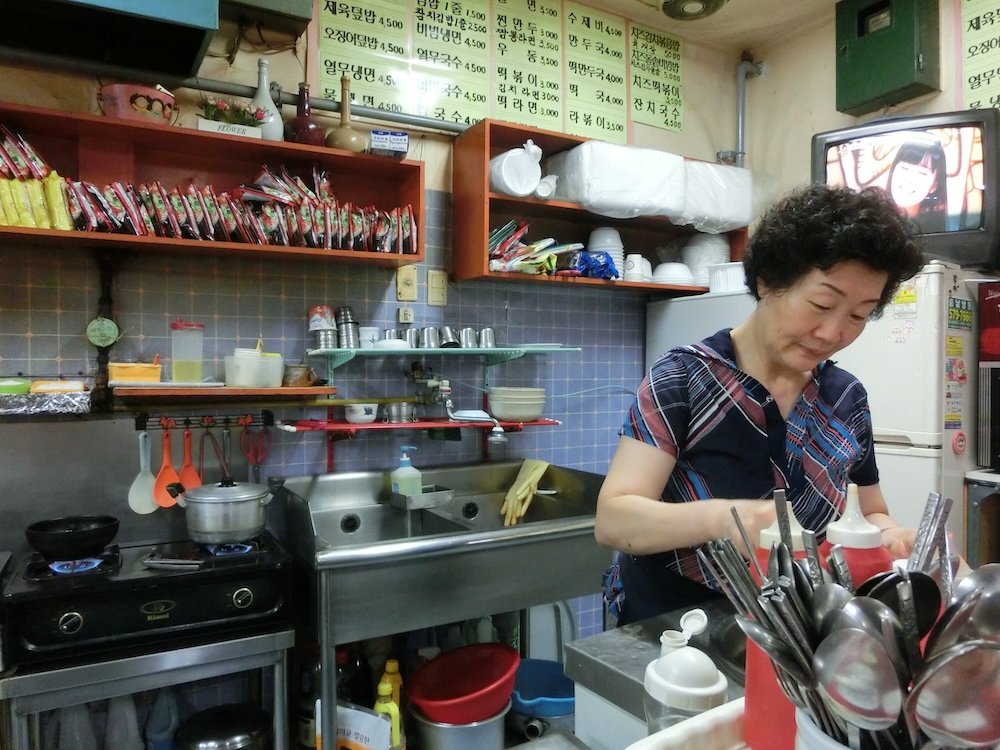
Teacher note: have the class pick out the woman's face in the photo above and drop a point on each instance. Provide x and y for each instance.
(820, 314)
(910, 183)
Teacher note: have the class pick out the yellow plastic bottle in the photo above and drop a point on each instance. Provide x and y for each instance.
(384, 704)
(394, 678)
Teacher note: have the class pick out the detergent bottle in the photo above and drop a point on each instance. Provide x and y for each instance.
(406, 479)
(384, 704)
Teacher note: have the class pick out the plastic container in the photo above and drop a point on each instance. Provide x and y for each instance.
(810, 737)
(726, 277)
(487, 734)
(683, 681)
(136, 372)
(393, 677)
(406, 480)
(466, 685)
(861, 541)
(132, 101)
(541, 689)
(186, 351)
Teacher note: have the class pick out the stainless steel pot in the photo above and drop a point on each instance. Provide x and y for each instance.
(236, 726)
(223, 513)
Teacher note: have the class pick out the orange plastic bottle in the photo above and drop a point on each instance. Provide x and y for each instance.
(769, 717)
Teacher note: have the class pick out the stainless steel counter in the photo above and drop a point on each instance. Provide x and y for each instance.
(554, 741)
(612, 664)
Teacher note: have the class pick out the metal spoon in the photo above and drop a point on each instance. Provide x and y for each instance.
(951, 626)
(955, 700)
(778, 651)
(827, 597)
(858, 680)
(879, 620)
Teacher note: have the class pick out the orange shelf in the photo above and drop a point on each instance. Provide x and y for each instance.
(138, 393)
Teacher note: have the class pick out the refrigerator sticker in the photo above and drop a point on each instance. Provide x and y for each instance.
(954, 346)
(956, 377)
(959, 314)
(904, 301)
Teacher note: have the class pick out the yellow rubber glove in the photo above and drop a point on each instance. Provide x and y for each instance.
(522, 491)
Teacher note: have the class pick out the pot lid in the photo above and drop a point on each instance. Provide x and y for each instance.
(226, 491)
(237, 726)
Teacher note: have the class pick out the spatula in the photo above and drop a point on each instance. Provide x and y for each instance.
(140, 494)
(167, 475)
(188, 474)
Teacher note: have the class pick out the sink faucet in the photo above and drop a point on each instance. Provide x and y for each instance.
(441, 394)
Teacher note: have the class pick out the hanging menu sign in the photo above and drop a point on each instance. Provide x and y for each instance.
(595, 74)
(655, 83)
(552, 64)
(981, 53)
(527, 62)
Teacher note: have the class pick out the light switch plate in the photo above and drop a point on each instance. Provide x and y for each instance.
(406, 284)
(437, 288)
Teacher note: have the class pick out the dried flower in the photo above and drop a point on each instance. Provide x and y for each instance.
(237, 113)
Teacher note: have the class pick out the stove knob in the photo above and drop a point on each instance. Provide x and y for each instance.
(242, 597)
(70, 623)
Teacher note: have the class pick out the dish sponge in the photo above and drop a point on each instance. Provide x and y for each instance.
(521, 493)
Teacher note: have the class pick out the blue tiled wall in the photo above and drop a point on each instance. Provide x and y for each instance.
(47, 296)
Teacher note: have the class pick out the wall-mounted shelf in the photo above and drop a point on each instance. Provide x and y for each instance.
(478, 210)
(225, 393)
(339, 428)
(102, 150)
(492, 356)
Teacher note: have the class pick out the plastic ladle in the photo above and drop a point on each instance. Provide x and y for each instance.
(140, 493)
(188, 474)
(167, 475)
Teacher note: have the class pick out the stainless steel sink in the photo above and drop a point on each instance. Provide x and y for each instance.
(380, 566)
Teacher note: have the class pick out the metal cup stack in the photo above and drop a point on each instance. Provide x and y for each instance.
(348, 335)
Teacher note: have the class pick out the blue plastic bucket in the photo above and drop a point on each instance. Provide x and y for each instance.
(542, 690)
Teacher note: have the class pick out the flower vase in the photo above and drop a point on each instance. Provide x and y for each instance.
(271, 127)
(345, 136)
(304, 127)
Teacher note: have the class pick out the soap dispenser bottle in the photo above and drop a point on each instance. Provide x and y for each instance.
(406, 479)
(684, 680)
(861, 541)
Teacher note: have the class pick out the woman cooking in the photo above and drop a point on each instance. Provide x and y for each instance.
(722, 423)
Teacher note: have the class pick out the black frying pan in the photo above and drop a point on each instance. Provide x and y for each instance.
(72, 537)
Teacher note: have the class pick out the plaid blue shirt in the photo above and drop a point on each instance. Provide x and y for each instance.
(731, 441)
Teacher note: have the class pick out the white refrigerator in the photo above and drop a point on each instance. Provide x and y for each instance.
(918, 363)
(685, 320)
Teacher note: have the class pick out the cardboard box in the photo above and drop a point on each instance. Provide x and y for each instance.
(390, 143)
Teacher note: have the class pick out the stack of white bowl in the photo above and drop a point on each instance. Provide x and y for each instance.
(517, 404)
(702, 251)
(673, 273)
(608, 240)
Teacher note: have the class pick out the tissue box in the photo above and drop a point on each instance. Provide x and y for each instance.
(389, 143)
(622, 182)
(134, 372)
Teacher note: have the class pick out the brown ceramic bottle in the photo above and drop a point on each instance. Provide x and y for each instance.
(304, 127)
(345, 136)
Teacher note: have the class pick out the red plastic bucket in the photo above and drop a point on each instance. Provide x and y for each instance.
(466, 685)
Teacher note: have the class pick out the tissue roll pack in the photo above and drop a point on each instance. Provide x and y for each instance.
(622, 182)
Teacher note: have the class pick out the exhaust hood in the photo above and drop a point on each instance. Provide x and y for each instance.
(169, 37)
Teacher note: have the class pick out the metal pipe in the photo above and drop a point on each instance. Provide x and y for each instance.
(226, 88)
(746, 68)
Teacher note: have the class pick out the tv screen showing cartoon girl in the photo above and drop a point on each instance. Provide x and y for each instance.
(935, 175)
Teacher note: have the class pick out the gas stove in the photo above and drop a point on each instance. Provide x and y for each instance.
(137, 599)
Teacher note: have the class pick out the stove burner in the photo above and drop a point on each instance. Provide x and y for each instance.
(68, 567)
(234, 548)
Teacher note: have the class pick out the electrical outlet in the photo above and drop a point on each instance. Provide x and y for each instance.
(437, 288)
(404, 315)
(406, 284)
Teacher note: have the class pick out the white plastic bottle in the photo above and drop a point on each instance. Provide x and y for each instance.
(406, 480)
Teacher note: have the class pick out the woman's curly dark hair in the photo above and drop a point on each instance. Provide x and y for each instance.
(820, 226)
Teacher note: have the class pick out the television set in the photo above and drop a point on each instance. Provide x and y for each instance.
(941, 169)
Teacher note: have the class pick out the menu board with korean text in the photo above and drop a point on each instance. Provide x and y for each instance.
(552, 64)
(981, 53)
